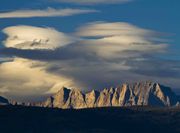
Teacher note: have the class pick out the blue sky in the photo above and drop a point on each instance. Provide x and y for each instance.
(160, 16)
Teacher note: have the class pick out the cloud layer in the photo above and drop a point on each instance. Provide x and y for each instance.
(28, 77)
(49, 12)
(111, 40)
(106, 54)
(30, 37)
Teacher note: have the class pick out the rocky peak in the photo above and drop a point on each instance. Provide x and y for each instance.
(91, 98)
(137, 94)
(59, 99)
(76, 100)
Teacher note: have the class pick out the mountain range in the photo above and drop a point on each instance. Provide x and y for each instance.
(135, 94)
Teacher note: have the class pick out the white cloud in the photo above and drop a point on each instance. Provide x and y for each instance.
(30, 37)
(107, 55)
(49, 12)
(111, 40)
(90, 2)
(29, 77)
(102, 28)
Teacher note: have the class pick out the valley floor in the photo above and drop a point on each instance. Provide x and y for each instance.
(18, 119)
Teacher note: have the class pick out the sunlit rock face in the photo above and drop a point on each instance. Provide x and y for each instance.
(76, 100)
(137, 94)
(105, 98)
(91, 98)
(60, 98)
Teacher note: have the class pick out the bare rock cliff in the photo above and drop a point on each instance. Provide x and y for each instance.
(141, 94)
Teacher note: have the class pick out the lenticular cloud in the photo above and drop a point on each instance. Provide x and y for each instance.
(30, 37)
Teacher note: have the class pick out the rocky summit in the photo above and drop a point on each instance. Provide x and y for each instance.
(137, 94)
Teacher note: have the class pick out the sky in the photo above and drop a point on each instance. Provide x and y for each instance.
(86, 44)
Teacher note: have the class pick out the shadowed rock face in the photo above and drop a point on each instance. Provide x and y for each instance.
(3, 101)
(141, 94)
